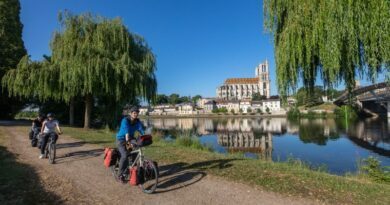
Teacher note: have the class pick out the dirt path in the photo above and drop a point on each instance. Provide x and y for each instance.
(79, 177)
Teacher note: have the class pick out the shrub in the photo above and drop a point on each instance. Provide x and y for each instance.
(372, 167)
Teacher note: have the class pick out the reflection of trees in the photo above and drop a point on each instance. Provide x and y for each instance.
(317, 131)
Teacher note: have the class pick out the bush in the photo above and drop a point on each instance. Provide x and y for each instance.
(371, 166)
(268, 110)
(294, 113)
(346, 111)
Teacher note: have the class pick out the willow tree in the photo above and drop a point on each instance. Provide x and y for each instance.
(338, 39)
(93, 58)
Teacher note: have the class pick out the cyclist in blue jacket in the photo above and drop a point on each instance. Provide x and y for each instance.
(129, 125)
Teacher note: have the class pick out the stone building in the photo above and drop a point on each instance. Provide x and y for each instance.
(244, 88)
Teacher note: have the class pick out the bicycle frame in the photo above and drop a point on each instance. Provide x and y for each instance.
(140, 157)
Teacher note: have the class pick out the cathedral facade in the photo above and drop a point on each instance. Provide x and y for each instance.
(244, 88)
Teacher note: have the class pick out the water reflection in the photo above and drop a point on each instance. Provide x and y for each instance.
(257, 136)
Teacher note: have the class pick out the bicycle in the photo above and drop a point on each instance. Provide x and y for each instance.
(50, 150)
(34, 135)
(147, 173)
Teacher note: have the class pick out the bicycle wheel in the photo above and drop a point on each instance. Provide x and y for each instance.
(115, 170)
(149, 177)
(52, 153)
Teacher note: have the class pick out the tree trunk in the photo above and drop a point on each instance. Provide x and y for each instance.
(88, 109)
(71, 112)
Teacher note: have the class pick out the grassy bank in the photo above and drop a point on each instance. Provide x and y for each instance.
(290, 178)
(19, 183)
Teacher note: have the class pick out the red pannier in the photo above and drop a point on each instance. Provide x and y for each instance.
(110, 156)
(144, 140)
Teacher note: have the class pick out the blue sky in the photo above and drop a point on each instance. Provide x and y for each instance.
(198, 43)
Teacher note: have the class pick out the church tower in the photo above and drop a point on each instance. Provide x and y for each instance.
(262, 72)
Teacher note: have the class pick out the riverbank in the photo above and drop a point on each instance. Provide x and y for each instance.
(254, 115)
(293, 178)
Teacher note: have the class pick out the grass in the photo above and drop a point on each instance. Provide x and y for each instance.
(19, 182)
(288, 178)
(187, 140)
(324, 106)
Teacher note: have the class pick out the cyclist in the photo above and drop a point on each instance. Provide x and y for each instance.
(36, 126)
(48, 129)
(129, 125)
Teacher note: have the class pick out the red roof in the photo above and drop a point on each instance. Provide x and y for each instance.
(242, 81)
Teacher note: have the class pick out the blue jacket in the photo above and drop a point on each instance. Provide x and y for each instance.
(127, 127)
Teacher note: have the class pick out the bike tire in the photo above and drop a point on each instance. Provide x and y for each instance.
(150, 175)
(115, 171)
(34, 143)
(52, 153)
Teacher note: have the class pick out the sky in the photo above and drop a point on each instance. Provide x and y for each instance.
(197, 43)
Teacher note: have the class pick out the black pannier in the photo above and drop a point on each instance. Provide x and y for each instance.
(144, 140)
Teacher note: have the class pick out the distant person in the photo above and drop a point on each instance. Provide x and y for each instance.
(49, 127)
(129, 125)
(36, 127)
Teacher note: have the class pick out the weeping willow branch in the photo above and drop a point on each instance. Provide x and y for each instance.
(338, 39)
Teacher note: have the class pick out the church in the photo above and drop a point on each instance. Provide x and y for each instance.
(244, 88)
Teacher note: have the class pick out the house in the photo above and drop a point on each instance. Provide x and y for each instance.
(209, 106)
(273, 104)
(245, 105)
(257, 105)
(185, 108)
(144, 110)
(202, 101)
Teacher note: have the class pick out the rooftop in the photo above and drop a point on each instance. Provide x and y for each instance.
(242, 81)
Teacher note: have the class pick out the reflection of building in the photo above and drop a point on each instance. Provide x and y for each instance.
(247, 142)
(244, 88)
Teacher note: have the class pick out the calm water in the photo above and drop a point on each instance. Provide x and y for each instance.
(316, 141)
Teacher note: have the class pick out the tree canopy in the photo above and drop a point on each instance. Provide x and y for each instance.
(93, 58)
(337, 39)
(11, 50)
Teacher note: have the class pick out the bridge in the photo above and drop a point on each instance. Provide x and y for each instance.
(373, 99)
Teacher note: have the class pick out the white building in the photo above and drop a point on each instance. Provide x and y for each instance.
(209, 106)
(244, 105)
(273, 104)
(244, 88)
(202, 101)
(144, 110)
(186, 108)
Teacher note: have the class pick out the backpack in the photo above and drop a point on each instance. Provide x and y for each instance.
(110, 156)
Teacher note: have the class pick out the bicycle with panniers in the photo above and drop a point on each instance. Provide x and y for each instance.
(141, 170)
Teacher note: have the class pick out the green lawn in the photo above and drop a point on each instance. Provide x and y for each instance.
(286, 178)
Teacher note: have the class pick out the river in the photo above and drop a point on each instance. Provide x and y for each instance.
(335, 144)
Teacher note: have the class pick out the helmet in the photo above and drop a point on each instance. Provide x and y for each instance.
(50, 114)
(133, 109)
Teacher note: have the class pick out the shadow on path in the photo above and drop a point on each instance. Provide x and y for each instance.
(178, 175)
(71, 144)
(79, 155)
(20, 183)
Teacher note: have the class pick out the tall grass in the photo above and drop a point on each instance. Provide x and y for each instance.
(191, 141)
